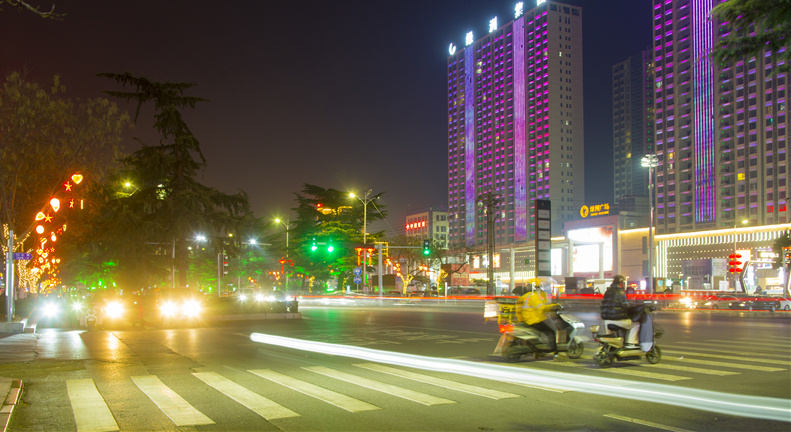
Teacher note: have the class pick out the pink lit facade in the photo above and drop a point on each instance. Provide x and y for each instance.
(721, 130)
(515, 125)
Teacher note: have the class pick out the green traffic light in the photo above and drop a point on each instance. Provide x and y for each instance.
(330, 248)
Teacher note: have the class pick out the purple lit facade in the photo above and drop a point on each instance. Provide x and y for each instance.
(515, 125)
(720, 129)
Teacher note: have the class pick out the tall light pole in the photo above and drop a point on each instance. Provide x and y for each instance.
(365, 200)
(286, 224)
(650, 161)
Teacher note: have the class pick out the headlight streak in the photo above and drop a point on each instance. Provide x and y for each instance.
(723, 403)
(114, 309)
(51, 310)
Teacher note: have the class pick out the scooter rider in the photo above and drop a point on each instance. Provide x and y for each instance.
(531, 310)
(615, 310)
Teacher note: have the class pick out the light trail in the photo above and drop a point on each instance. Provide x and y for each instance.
(724, 403)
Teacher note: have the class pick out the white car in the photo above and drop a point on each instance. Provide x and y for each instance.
(785, 302)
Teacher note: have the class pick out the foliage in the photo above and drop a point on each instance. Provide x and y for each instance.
(44, 139)
(777, 247)
(755, 26)
(329, 216)
(159, 217)
(26, 5)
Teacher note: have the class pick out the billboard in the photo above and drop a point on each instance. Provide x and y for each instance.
(587, 243)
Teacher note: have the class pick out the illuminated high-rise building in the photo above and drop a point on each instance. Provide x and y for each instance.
(720, 128)
(515, 124)
(633, 124)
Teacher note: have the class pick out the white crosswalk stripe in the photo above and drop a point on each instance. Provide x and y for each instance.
(173, 405)
(732, 347)
(341, 401)
(90, 410)
(251, 400)
(742, 361)
(697, 348)
(401, 392)
(453, 385)
(631, 371)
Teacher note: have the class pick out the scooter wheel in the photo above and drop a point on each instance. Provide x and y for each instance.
(509, 353)
(575, 350)
(654, 356)
(603, 359)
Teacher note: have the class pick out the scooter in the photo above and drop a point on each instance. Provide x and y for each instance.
(612, 346)
(518, 340)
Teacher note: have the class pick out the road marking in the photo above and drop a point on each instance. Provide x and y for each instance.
(401, 392)
(740, 347)
(646, 423)
(780, 356)
(252, 401)
(629, 370)
(752, 344)
(715, 363)
(771, 338)
(452, 385)
(173, 405)
(740, 359)
(692, 369)
(90, 410)
(341, 401)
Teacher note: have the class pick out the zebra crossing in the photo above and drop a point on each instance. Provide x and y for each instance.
(681, 362)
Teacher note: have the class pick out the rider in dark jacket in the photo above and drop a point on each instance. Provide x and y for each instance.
(615, 310)
(614, 305)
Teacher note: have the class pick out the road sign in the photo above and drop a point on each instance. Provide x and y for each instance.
(22, 256)
(357, 271)
(358, 279)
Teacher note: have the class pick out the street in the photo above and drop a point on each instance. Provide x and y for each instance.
(219, 379)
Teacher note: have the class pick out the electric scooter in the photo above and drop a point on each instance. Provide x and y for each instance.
(518, 340)
(612, 346)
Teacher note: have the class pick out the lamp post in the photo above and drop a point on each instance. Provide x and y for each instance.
(650, 161)
(365, 200)
(286, 224)
(489, 202)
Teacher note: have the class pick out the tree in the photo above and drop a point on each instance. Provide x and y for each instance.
(409, 263)
(168, 206)
(26, 5)
(755, 26)
(328, 215)
(44, 140)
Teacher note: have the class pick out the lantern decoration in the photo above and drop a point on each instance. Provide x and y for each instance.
(55, 203)
(76, 178)
(40, 216)
(40, 229)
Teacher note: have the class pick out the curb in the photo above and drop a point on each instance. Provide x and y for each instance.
(14, 393)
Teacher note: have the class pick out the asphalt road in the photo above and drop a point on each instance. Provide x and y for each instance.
(403, 367)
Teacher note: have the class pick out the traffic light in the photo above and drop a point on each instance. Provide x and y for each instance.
(313, 245)
(734, 265)
(225, 264)
(426, 247)
(330, 247)
(786, 256)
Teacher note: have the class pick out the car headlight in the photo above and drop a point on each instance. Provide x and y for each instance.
(76, 307)
(191, 308)
(114, 309)
(259, 298)
(242, 297)
(169, 309)
(51, 310)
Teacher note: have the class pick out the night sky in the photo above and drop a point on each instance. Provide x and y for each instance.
(340, 94)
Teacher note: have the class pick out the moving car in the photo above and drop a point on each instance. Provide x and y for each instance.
(756, 303)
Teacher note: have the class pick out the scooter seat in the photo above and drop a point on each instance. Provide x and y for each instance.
(614, 327)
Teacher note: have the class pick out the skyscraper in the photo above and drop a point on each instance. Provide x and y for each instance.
(720, 128)
(515, 124)
(633, 123)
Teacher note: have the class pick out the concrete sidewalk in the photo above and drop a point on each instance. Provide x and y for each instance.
(12, 389)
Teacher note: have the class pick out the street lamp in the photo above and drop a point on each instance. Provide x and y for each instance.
(286, 224)
(489, 202)
(650, 161)
(365, 200)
